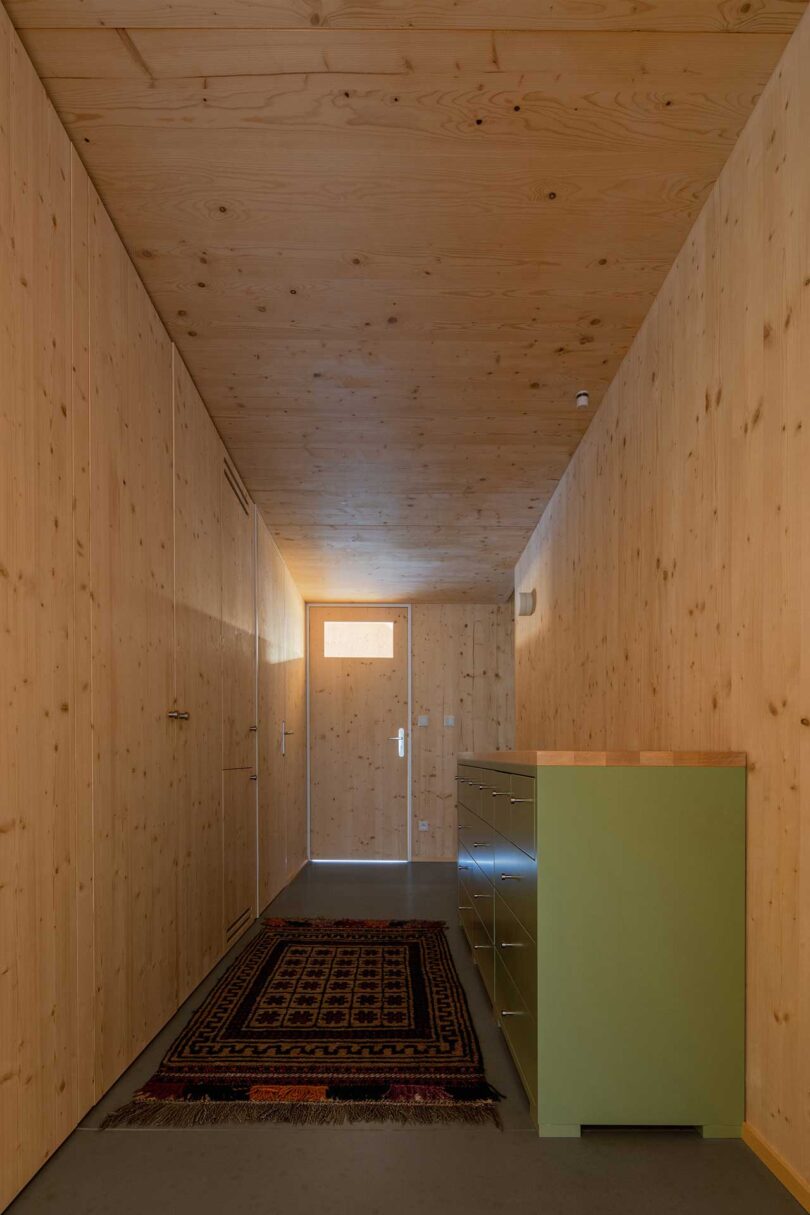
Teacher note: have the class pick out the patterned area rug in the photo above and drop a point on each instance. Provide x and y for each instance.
(322, 1021)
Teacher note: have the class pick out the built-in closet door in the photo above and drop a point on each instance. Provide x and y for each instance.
(282, 721)
(198, 456)
(239, 702)
(132, 680)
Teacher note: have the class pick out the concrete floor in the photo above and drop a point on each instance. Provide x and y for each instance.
(390, 1169)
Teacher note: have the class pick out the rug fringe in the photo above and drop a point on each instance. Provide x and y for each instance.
(156, 1114)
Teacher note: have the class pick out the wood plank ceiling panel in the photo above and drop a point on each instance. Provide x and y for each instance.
(392, 239)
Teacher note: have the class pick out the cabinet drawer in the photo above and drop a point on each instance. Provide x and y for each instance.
(479, 889)
(517, 952)
(484, 956)
(467, 919)
(466, 785)
(523, 813)
(515, 879)
(519, 1028)
(478, 840)
(499, 803)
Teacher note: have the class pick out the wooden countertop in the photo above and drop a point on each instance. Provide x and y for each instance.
(611, 759)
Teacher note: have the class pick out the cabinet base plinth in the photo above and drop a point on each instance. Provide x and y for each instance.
(548, 1131)
(719, 1131)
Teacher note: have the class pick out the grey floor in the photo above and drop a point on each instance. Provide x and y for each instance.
(391, 1169)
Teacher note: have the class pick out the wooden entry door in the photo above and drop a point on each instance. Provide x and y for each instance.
(358, 681)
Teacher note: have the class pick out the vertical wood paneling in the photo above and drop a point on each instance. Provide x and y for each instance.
(136, 835)
(239, 804)
(463, 667)
(282, 698)
(238, 623)
(295, 712)
(198, 454)
(88, 1091)
(672, 566)
(38, 966)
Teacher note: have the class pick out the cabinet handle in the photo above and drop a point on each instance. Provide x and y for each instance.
(173, 714)
(254, 778)
(505, 1012)
(509, 877)
(517, 801)
(253, 729)
(482, 787)
(176, 715)
(480, 845)
(465, 908)
(482, 896)
(495, 793)
(482, 947)
(184, 716)
(512, 945)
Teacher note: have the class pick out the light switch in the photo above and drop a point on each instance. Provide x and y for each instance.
(450, 720)
(423, 720)
(424, 825)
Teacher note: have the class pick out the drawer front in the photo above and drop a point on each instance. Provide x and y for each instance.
(465, 866)
(478, 840)
(517, 952)
(465, 785)
(467, 824)
(523, 814)
(468, 920)
(519, 1028)
(479, 889)
(484, 956)
(515, 879)
(499, 804)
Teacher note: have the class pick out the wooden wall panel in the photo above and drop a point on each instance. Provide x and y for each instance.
(463, 667)
(38, 963)
(239, 804)
(132, 676)
(238, 623)
(295, 764)
(198, 454)
(672, 567)
(282, 698)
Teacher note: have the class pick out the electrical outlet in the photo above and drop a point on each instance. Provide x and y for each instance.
(424, 825)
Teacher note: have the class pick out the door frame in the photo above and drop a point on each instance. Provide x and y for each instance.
(408, 728)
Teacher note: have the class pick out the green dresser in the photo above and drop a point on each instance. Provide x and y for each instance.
(603, 896)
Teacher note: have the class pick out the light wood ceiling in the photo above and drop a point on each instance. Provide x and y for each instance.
(392, 241)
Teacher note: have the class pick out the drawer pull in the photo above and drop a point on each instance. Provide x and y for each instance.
(512, 945)
(464, 867)
(482, 946)
(482, 896)
(495, 793)
(510, 877)
(483, 787)
(480, 845)
(516, 801)
(505, 1012)
(465, 908)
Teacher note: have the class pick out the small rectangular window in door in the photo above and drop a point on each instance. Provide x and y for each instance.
(358, 639)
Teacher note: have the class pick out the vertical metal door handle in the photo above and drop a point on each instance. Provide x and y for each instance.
(399, 739)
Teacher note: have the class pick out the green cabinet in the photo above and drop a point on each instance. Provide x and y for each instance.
(604, 897)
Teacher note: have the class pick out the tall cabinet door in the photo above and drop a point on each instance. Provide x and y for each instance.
(132, 681)
(238, 703)
(198, 455)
